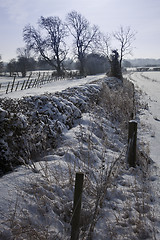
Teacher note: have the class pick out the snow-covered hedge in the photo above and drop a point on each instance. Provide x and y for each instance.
(31, 125)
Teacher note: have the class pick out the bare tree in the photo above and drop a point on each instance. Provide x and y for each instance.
(23, 52)
(125, 36)
(84, 36)
(12, 67)
(50, 45)
(25, 62)
(104, 45)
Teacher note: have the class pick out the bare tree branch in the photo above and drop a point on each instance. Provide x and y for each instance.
(84, 36)
(104, 45)
(51, 45)
(125, 36)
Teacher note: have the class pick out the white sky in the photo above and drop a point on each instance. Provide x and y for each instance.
(143, 16)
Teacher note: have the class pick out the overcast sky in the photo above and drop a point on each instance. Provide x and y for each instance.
(143, 16)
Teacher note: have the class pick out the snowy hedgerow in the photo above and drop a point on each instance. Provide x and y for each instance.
(33, 124)
(12, 130)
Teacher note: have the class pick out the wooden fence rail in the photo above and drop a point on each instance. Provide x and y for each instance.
(32, 81)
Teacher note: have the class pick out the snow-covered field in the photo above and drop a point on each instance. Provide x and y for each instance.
(149, 84)
(82, 128)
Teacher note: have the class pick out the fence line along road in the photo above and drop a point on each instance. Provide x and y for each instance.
(31, 82)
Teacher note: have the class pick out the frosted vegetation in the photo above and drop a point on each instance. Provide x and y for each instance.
(53, 136)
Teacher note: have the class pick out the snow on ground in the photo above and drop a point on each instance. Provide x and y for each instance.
(50, 87)
(86, 124)
(149, 84)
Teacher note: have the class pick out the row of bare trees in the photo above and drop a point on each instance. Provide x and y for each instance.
(49, 40)
(48, 43)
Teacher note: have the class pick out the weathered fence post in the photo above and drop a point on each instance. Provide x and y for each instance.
(7, 88)
(77, 206)
(28, 80)
(17, 86)
(14, 78)
(29, 85)
(23, 84)
(38, 79)
(34, 83)
(132, 143)
(43, 78)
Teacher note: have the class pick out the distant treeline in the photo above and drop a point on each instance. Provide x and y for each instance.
(144, 62)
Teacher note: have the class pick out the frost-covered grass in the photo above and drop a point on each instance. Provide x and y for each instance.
(80, 129)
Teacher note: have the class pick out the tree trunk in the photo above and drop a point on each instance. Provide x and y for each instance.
(82, 66)
(59, 69)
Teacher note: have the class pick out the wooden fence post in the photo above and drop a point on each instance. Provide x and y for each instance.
(34, 83)
(28, 80)
(29, 85)
(7, 88)
(42, 79)
(38, 79)
(132, 143)
(17, 86)
(23, 84)
(77, 206)
(14, 78)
